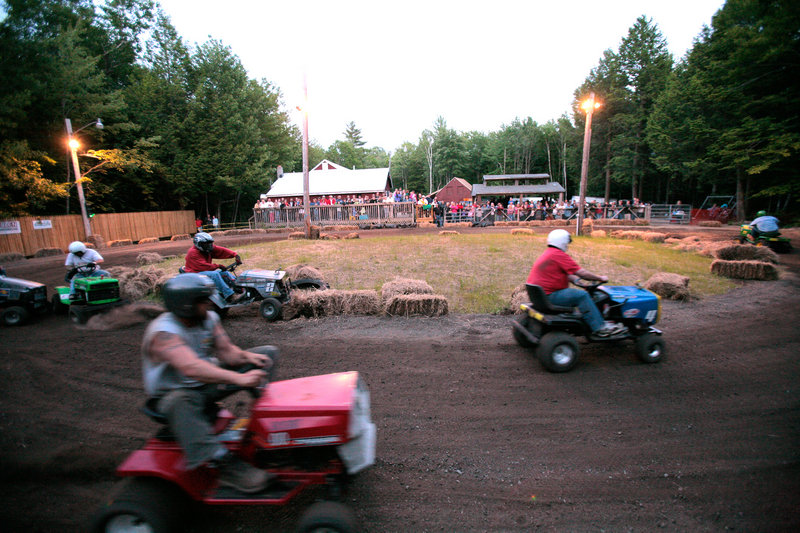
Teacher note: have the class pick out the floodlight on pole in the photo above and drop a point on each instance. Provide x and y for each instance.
(73, 148)
(588, 106)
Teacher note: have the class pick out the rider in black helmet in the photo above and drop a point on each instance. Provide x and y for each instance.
(186, 356)
(200, 258)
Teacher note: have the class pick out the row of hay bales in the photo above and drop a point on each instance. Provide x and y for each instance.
(399, 297)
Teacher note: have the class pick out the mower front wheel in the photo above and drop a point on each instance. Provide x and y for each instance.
(328, 516)
(558, 351)
(141, 505)
(78, 315)
(56, 305)
(650, 348)
(14, 315)
(270, 309)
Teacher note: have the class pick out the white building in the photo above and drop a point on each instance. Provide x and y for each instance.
(330, 179)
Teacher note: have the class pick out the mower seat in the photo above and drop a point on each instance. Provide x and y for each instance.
(541, 303)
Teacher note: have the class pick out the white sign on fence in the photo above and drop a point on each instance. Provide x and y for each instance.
(42, 224)
(10, 226)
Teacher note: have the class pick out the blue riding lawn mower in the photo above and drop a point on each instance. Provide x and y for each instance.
(552, 330)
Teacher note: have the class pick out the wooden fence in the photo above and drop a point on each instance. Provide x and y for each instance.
(26, 235)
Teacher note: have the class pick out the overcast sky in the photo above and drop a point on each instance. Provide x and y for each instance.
(394, 67)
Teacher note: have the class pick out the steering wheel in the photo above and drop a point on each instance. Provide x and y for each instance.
(585, 284)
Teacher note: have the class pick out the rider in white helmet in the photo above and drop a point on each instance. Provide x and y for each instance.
(82, 263)
(553, 271)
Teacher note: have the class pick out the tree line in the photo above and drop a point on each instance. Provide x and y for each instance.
(186, 128)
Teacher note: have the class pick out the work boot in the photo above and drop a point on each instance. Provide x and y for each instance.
(234, 298)
(242, 476)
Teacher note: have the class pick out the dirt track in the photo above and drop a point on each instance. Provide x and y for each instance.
(470, 427)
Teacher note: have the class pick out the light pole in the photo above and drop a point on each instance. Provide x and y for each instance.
(588, 105)
(306, 195)
(73, 148)
(429, 155)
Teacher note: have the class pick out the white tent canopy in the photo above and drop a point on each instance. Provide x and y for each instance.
(327, 178)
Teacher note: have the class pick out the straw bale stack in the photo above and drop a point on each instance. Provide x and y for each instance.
(598, 233)
(417, 305)
(244, 231)
(448, 232)
(519, 296)
(399, 286)
(296, 235)
(757, 270)
(522, 231)
(136, 284)
(669, 285)
(149, 258)
(353, 235)
(120, 242)
(148, 240)
(301, 271)
(312, 304)
(181, 237)
(746, 252)
(11, 256)
(47, 252)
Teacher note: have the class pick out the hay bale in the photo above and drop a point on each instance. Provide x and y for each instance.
(758, 270)
(519, 296)
(125, 316)
(181, 237)
(148, 240)
(329, 236)
(301, 271)
(448, 232)
(120, 242)
(399, 286)
(351, 236)
(238, 232)
(296, 235)
(417, 305)
(597, 233)
(746, 252)
(149, 258)
(47, 252)
(426, 225)
(11, 256)
(710, 223)
(522, 231)
(312, 304)
(136, 284)
(669, 285)
(652, 236)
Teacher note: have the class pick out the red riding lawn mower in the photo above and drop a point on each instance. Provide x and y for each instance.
(307, 431)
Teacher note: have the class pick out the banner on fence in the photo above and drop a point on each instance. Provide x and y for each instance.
(8, 227)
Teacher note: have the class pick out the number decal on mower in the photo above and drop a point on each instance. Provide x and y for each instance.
(651, 315)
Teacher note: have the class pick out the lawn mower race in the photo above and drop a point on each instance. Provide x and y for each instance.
(395, 423)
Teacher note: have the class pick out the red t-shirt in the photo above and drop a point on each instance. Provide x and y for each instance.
(197, 261)
(551, 269)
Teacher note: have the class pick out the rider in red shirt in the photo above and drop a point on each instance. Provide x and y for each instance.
(553, 271)
(199, 260)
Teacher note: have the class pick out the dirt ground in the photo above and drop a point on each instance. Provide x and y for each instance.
(473, 434)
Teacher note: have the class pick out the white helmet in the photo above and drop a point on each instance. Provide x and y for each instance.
(203, 242)
(560, 238)
(77, 248)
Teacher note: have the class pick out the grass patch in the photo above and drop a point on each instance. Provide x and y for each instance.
(476, 273)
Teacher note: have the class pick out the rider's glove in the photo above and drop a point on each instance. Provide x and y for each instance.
(238, 259)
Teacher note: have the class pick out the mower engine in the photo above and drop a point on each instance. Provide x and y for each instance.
(633, 306)
(267, 283)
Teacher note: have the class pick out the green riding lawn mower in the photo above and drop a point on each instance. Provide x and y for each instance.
(92, 295)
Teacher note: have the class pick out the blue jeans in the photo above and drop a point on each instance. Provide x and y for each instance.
(579, 298)
(216, 277)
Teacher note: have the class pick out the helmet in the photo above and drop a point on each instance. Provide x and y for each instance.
(184, 290)
(761, 213)
(559, 238)
(77, 248)
(203, 242)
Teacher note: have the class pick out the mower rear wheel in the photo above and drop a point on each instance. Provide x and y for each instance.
(142, 505)
(527, 323)
(328, 517)
(650, 348)
(558, 351)
(14, 315)
(270, 309)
